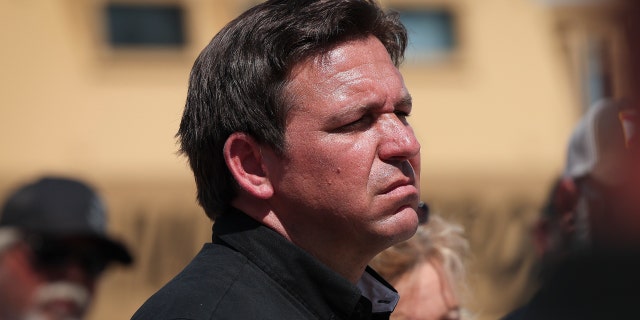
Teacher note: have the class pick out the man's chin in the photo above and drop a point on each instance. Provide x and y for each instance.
(404, 224)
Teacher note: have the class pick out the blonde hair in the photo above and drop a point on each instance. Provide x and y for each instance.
(438, 240)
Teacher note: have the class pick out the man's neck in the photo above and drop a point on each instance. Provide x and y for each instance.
(332, 252)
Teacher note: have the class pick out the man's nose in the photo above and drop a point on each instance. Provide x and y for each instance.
(398, 141)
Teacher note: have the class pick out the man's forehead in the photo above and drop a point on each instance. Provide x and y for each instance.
(337, 55)
(357, 73)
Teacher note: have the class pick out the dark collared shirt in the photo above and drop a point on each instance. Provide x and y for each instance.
(252, 272)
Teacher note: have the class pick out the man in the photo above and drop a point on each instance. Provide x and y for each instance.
(589, 240)
(296, 129)
(53, 249)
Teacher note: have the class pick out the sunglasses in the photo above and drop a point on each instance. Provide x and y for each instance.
(54, 255)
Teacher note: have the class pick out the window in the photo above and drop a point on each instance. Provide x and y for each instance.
(140, 25)
(432, 34)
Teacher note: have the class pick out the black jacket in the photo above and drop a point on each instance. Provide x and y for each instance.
(252, 272)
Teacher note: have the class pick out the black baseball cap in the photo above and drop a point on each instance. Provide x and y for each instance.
(62, 208)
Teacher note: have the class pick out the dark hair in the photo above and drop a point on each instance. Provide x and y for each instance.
(237, 82)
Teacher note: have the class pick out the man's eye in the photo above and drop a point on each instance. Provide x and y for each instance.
(359, 124)
(355, 123)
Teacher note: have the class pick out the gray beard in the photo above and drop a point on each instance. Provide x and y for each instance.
(48, 294)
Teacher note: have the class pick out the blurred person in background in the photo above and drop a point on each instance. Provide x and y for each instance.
(53, 250)
(590, 246)
(428, 270)
(553, 233)
(631, 24)
(296, 128)
(589, 237)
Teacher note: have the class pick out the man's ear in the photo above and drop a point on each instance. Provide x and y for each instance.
(243, 156)
(567, 195)
(567, 201)
(564, 199)
(542, 241)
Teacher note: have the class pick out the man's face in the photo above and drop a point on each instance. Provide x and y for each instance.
(350, 172)
(613, 211)
(50, 283)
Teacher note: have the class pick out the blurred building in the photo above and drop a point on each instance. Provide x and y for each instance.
(95, 89)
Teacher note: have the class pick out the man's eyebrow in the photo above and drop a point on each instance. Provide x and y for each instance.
(359, 109)
(405, 101)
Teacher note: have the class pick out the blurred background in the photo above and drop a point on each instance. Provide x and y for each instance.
(95, 89)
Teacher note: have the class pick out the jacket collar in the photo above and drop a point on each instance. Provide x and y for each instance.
(312, 283)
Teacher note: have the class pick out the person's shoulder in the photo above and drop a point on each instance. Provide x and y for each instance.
(221, 283)
(198, 288)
